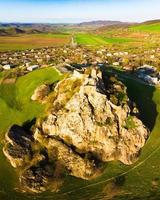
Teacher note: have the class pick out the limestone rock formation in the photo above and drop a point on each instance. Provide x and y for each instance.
(94, 119)
(90, 121)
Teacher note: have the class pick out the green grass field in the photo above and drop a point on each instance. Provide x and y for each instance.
(17, 108)
(98, 40)
(15, 104)
(147, 28)
(89, 39)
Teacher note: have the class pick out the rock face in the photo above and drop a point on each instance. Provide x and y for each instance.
(18, 146)
(72, 161)
(97, 120)
(90, 121)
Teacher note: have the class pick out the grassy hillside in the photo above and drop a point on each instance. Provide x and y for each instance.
(15, 103)
(147, 28)
(17, 108)
(133, 37)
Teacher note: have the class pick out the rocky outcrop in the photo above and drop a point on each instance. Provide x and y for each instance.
(90, 121)
(36, 173)
(96, 119)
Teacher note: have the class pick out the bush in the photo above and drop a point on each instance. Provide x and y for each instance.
(129, 123)
(122, 98)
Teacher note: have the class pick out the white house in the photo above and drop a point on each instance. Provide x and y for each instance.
(116, 64)
(109, 54)
(33, 67)
(6, 67)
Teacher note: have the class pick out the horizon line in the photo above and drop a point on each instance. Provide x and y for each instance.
(83, 21)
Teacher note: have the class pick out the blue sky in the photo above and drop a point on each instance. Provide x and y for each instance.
(53, 11)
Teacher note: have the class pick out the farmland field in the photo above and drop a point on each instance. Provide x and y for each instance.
(98, 40)
(23, 42)
(123, 37)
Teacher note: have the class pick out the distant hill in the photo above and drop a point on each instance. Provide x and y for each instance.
(101, 23)
(3, 32)
(151, 22)
(33, 31)
(115, 26)
(7, 29)
(152, 26)
(29, 28)
(11, 31)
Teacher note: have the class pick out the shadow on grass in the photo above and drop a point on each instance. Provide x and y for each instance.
(139, 93)
(8, 93)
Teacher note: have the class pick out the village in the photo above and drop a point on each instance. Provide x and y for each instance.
(145, 65)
